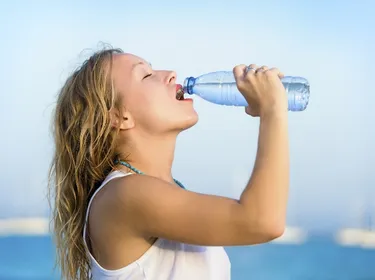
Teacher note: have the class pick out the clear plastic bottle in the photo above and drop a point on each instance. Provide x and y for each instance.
(220, 88)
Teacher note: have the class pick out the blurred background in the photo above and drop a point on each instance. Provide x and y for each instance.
(331, 215)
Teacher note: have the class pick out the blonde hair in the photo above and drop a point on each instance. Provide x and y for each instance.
(84, 155)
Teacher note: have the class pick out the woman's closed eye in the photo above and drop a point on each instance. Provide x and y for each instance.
(148, 75)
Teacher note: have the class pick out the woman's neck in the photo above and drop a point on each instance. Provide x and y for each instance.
(151, 155)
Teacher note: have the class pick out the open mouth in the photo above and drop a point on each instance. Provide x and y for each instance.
(180, 94)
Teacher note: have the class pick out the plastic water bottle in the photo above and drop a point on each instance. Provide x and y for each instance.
(220, 88)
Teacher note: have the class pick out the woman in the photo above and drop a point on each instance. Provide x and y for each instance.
(118, 213)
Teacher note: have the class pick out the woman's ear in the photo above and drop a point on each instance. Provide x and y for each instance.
(122, 121)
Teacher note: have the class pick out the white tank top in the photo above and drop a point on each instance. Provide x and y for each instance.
(165, 259)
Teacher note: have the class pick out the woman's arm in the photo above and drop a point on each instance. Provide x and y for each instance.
(156, 208)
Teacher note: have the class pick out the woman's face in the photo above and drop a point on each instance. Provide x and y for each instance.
(149, 96)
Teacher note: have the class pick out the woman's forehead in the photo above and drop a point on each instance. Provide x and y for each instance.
(127, 60)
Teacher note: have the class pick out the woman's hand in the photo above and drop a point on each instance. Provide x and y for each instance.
(262, 89)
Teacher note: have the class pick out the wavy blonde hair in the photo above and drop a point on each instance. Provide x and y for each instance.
(84, 155)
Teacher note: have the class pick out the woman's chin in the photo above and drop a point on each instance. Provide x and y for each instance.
(188, 122)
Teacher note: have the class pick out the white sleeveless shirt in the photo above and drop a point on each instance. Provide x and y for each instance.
(165, 259)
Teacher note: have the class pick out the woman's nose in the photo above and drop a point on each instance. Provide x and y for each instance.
(170, 77)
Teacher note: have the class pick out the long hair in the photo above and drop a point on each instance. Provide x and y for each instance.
(84, 154)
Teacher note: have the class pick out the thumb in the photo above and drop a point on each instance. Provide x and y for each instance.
(251, 112)
(248, 110)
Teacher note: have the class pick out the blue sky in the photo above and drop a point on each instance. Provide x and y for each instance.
(330, 43)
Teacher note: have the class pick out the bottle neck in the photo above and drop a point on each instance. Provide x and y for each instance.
(188, 85)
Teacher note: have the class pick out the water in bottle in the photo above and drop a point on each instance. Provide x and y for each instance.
(220, 88)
